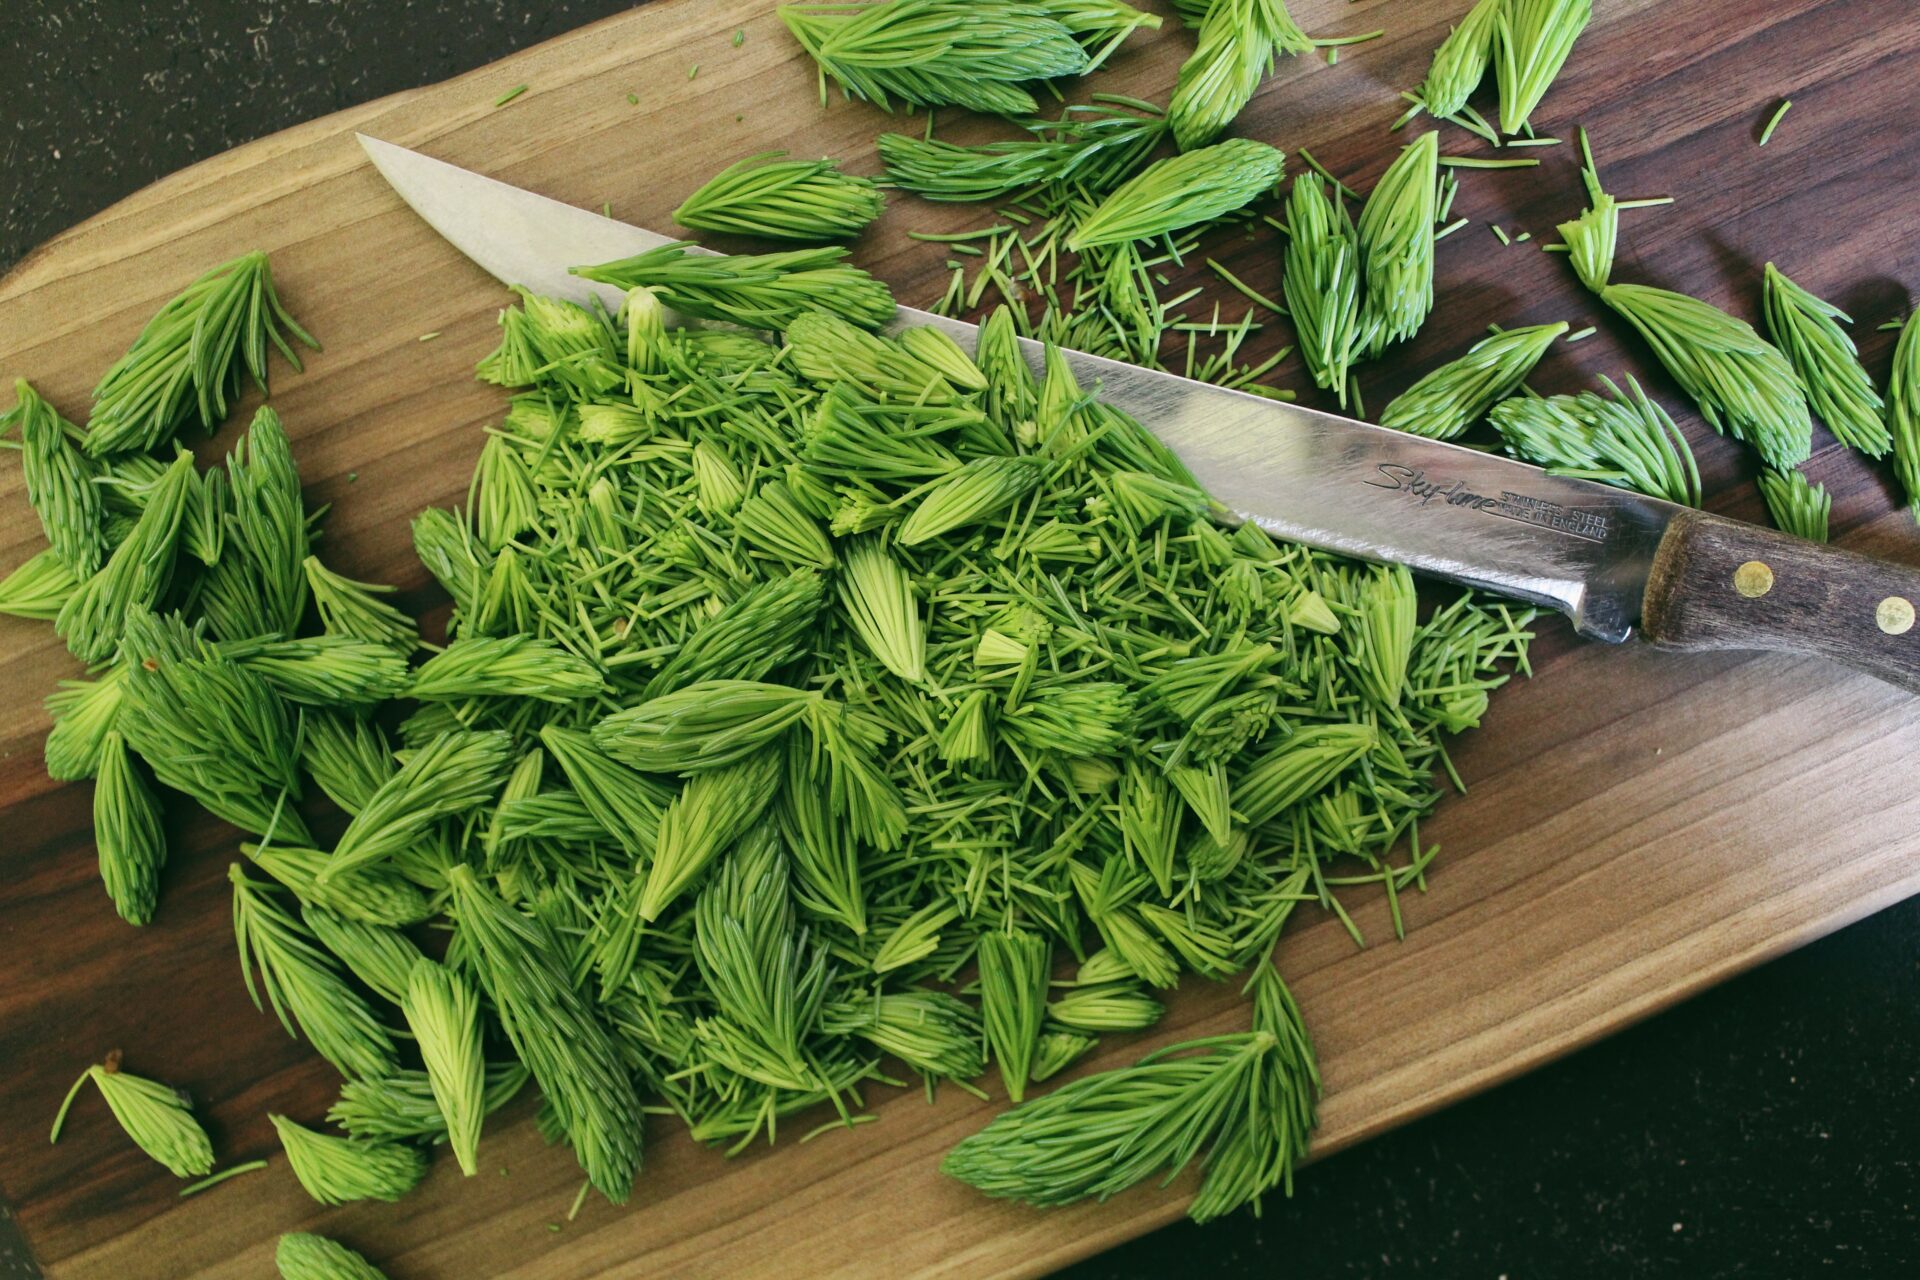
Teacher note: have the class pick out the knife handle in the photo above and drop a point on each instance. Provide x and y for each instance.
(1721, 584)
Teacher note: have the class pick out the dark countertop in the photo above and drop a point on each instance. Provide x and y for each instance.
(1766, 1129)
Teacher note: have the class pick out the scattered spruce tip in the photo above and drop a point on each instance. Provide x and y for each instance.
(60, 481)
(1235, 49)
(1742, 384)
(38, 588)
(1101, 1134)
(931, 53)
(1461, 61)
(335, 1170)
(1807, 329)
(768, 196)
(1395, 231)
(401, 1107)
(83, 713)
(156, 1116)
(1096, 146)
(1532, 40)
(1013, 1001)
(563, 1044)
(301, 1255)
(443, 1011)
(303, 983)
(187, 362)
(1617, 437)
(379, 955)
(1101, 26)
(127, 832)
(1455, 396)
(1797, 505)
(135, 575)
(1171, 194)
(209, 726)
(765, 291)
(1322, 283)
(1903, 410)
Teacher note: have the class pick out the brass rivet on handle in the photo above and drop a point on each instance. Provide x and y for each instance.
(1753, 579)
(1895, 615)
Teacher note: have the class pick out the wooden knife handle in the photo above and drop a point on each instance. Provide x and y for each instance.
(1720, 584)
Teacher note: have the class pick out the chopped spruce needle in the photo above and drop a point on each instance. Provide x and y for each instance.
(509, 95)
(215, 1179)
(156, 1116)
(792, 675)
(1773, 121)
(1808, 330)
(764, 195)
(301, 1255)
(1797, 505)
(1458, 394)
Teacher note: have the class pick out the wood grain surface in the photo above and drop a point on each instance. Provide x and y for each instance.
(1639, 824)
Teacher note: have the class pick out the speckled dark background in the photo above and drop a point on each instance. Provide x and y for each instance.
(1768, 1129)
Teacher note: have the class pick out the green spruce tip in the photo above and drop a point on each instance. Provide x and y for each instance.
(301, 1255)
(187, 362)
(1903, 410)
(1452, 398)
(962, 53)
(768, 196)
(563, 1044)
(1013, 997)
(1532, 41)
(443, 1012)
(1619, 437)
(127, 832)
(1171, 194)
(1807, 329)
(1461, 61)
(157, 1118)
(335, 1170)
(1395, 232)
(60, 481)
(1797, 505)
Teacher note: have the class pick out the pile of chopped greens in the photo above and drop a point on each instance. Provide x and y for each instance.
(818, 709)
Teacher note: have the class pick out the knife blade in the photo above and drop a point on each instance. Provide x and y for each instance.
(1608, 558)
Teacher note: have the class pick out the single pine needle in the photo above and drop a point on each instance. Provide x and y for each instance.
(1773, 121)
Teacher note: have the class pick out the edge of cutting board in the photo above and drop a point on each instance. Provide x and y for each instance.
(1639, 827)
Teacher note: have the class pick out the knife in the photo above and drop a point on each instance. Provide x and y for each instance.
(1615, 562)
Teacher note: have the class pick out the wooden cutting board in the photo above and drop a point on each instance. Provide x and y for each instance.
(1639, 826)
